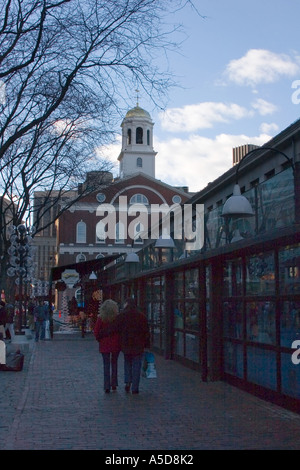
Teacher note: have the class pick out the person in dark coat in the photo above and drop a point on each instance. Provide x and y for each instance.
(109, 346)
(2, 318)
(133, 328)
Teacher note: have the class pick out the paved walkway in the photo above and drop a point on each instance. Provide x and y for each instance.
(57, 402)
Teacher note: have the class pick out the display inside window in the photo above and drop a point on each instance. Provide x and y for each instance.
(233, 319)
(261, 322)
(289, 323)
(289, 270)
(260, 274)
(233, 279)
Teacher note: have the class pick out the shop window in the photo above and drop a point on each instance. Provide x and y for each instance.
(233, 319)
(261, 322)
(289, 322)
(233, 280)
(261, 367)
(290, 376)
(260, 274)
(289, 270)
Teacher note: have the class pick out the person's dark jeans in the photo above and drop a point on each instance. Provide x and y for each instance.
(110, 369)
(132, 370)
(40, 328)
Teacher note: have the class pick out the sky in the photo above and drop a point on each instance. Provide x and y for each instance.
(238, 75)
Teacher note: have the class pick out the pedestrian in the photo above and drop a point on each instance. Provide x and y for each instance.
(109, 346)
(82, 321)
(40, 317)
(133, 328)
(2, 318)
(9, 327)
(30, 311)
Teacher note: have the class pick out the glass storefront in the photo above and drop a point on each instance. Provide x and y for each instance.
(261, 319)
(186, 315)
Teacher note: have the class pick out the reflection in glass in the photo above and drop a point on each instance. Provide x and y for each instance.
(260, 274)
(192, 315)
(233, 319)
(233, 284)
(290, 376)
(192, 284)
(178, 343)
(261, 322)
(178, 315)
(289, 270)
(192, 347)
(289, 323)
(261, 367)
(233, 358)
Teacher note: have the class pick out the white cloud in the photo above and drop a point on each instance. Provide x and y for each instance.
(196, 161)
(260, 66)
(267, 128)
(264, 107)
(204, 115)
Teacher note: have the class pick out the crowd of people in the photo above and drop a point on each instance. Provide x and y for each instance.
(38, 314)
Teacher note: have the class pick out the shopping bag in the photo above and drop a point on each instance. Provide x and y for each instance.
(149, 366)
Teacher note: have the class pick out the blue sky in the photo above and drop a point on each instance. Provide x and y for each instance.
(235, 71)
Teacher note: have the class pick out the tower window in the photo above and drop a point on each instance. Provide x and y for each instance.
(148, 137)
(139, 135)
(81, 232)
(139, 162)
(129, 137)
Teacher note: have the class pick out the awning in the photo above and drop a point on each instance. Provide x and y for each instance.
(83, 267)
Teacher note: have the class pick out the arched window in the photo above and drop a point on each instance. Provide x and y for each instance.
(99, 256)
(148, 137)
(81, 232)
(129, 137)
(139, 162)
(139, 199)
(139, 135)
(81, 257)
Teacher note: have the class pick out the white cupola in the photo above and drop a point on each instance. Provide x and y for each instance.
(137, 154)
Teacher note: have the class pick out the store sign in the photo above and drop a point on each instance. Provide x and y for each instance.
(70, 277)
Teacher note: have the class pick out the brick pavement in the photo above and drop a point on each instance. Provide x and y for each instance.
(57, 403)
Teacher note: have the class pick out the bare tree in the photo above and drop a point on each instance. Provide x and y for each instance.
(67, 68)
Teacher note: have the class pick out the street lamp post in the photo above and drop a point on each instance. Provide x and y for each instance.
(21, 262)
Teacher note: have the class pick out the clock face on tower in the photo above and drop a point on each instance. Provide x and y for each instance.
(100, 197)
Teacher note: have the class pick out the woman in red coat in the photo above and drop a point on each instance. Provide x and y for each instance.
(109, 346)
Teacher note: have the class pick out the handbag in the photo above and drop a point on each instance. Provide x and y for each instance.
(149, 366)
(2, 330)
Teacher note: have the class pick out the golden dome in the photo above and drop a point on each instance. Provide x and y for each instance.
(138, 112)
